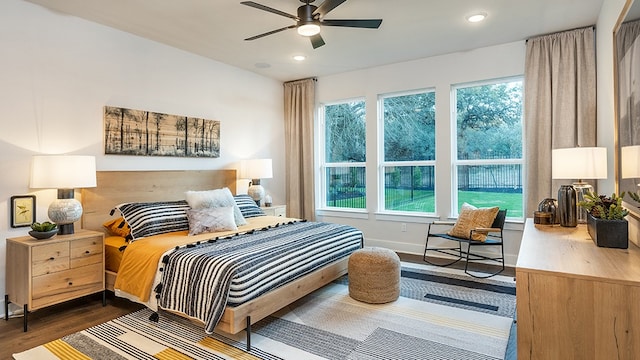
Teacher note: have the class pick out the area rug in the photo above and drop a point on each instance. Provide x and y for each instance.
(440, 315)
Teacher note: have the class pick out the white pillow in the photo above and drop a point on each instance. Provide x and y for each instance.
(214, 199)
(211, 220)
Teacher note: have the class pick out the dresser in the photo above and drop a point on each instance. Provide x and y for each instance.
(575, 300)
(41, 273)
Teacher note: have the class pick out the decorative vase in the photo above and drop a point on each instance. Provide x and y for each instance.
(608, 233)
(41, 235)
(567, 206)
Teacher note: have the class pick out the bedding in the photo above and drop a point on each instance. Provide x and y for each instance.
(113, 250)
(181, 287)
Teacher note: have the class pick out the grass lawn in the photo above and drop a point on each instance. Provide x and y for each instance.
(424, 201)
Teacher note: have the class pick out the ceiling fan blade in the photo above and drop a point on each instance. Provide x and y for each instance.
(272, 32)
(316, 41)
(271, 10)
(327, 6)
(368, 24)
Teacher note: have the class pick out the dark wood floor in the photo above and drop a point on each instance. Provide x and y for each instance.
(59, 320)
(51, 323)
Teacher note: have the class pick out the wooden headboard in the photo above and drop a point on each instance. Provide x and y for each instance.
(117, 187)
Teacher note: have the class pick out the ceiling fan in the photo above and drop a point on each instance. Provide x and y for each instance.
(311, 17)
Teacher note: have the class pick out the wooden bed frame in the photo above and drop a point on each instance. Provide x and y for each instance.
(116, 187)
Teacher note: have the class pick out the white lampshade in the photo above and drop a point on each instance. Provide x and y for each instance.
(630, 161)
(579, 163)
(256, 169)
(63, 172)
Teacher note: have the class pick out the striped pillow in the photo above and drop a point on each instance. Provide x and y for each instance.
(247, 206)
(153, 218)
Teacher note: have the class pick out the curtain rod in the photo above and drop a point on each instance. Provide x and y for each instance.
(560, 32)
(309, 78)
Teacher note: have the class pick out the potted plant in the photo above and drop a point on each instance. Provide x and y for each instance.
(606, 220)
(43, 230)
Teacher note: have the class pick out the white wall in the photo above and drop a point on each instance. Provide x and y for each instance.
(441, 73)
(59, 71)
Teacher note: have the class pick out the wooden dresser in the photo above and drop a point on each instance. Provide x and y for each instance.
(41, 273)
(574, 299)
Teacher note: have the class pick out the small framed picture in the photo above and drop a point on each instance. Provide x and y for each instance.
(23, 210)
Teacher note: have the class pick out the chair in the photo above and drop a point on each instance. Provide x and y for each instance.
(494, 238)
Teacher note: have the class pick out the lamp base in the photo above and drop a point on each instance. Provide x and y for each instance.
(64, 211)
(582, 188)
(256, 191)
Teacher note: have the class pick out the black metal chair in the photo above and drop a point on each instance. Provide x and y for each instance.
(494, 238)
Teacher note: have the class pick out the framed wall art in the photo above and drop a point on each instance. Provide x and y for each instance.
(146, 133)
(23, 210)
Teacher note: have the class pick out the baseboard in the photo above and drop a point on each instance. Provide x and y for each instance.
(418, 249)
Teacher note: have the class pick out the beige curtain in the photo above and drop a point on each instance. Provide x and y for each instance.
(299, 104)
(559, 105)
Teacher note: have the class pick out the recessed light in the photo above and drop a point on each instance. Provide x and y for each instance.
(299, 57)
(477, 17)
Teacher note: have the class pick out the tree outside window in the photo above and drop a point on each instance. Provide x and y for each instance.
(488, 162)
(344, 153)
(408, 123)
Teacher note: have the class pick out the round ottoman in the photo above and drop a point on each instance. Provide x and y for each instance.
(374, 275)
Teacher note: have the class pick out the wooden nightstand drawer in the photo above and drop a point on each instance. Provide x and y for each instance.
(86, 251)
(50, 251)
(56, 287)
(50, 258)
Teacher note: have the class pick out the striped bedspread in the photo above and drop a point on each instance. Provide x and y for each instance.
(200, 280)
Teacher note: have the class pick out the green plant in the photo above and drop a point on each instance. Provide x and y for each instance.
(635, 196)
(604, 207)
(43, 227)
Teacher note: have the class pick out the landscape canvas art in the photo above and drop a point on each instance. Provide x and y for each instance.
(146, 133)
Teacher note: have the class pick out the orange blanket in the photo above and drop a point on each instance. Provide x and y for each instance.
(142, 257)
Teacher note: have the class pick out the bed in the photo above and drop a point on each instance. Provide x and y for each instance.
(116, 187)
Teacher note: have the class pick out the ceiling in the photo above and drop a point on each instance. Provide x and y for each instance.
(411, 29)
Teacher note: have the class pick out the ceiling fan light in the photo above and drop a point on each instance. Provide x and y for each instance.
(308, 29)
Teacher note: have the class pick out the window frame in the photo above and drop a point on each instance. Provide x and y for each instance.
(322, 167)
(382, 164)
(455, 162)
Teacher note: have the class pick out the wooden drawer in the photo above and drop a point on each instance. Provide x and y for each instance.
(86, 251)
(50, 258)
(68, 284)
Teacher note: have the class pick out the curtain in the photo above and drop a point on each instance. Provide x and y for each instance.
(559, 105)
(299, 104)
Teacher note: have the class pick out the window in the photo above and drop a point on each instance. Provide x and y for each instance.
(343, 163)
(409, 148)
(488, 158)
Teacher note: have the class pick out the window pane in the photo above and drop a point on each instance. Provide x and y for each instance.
(409, 127)
(346, 187)
(489, 121)
(345, 132)
(409, 188)
(491, 185)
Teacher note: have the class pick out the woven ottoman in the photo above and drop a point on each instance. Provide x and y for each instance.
(374, 275)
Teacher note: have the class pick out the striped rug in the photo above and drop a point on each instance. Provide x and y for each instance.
(440, 315)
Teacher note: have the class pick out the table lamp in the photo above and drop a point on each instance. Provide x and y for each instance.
(576, 163)
(255, 170)
(65, 173)
(630, 159)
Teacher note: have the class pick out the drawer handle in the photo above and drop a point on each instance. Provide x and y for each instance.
(87, 252)
(70, 283)
(52, 258)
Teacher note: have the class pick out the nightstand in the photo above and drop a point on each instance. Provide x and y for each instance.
(275, 210)
(41, 273)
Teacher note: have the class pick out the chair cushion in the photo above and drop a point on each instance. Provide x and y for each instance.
(471, 218)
